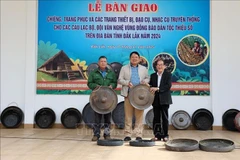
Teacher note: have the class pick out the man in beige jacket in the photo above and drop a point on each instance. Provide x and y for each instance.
(131, 75)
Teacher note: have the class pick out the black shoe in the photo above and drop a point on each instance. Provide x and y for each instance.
(127, 139)
(138, 138)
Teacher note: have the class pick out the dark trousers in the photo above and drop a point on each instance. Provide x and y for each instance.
(160, 121)
(98, 125)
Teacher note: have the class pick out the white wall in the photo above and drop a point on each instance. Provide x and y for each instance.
(13, 52)
(18, 64)
(225, 57)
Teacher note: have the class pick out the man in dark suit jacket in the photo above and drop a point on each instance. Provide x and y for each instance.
(160, 83)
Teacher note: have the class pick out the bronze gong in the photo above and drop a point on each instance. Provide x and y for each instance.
(140, 97)
(103, 100)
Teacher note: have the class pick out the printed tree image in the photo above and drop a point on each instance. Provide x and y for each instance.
(46, 51)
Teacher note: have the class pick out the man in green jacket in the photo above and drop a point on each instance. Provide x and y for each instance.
(102, 76)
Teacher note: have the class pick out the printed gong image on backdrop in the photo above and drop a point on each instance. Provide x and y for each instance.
(72, 35)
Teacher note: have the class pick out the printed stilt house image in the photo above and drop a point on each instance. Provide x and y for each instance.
(59, 67)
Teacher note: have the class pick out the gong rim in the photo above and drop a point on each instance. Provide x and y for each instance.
(91, 67)
(216, 145)
(45, 117)
(110, 142)
(103, 100)
(182, 145)
(89, 116)
(140, 97)
(12, 117)
(202, 119)
(181, 120)
(118, 116)
(71, 118)
(116, 67)
(142, 143)
(149, 118)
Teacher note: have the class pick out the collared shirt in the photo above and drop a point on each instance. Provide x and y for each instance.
(103, 72)
(135, 79)
(159, 78)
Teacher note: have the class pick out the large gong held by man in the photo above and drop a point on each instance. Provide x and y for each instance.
(103, 100)
(140, 97)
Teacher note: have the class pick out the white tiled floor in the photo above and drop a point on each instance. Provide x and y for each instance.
(71, 144)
